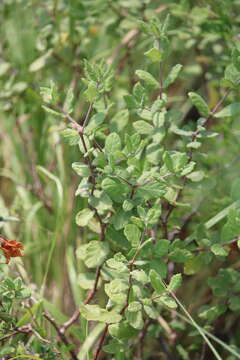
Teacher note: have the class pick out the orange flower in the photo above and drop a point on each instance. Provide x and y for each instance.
(10, 248)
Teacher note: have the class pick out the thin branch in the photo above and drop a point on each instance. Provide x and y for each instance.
(200, 249)
(27, 329)
(61, 336)
(90, 296)
(141, 338)
(87, 116)
(9, 336)
(161, 79)
(101, 342)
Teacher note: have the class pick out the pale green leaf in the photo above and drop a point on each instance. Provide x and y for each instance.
(200, 104)
(154, 54)
(96, 313)
(175, 282)
(230, 110)
(133, 234)
(147, 78)
(84, 216)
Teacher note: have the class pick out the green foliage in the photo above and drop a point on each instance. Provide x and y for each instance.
(101, 100)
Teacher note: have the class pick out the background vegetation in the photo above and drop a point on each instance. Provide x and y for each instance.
(43, 45)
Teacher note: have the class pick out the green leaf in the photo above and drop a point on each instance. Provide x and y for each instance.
(113, 143)
(172, 76)
(194, 145)
(156, 282)
(142, 127)
(234, 303)
(145, 114)
(100, 201)
(195, 264)
(147, 78)
(175, 282)
(68, 105)
(153, 215)
(180, 132)
(91, 91)
(232, 74)
(151, 311)
(96, 313)
(180, 255)
(188, 168)
(135, 319)
(40, 62)
(167, 301)
(119, 121)
(128, 205)
(71, 135)
(151, 190)
(175, 161)
(161, 247)
(130, 102)
(200, 104)
(160, 267)
(4, 316)
(4, 67)
(81, 169)
(116, 189)
(94, 253)
(222, 283)
(230, 110)
(184, 355)
(86, 280)
(231, 229)
(140, 275)
(211, 313)
(19, 87)
(139, 92)
(121, 331)
(196, 176)
(117, 290)
(218, 250)
(154, 54)
(52, 112)
(133, 234)
(84, 216)
(134, 306)
(95, 122)
(117, 265)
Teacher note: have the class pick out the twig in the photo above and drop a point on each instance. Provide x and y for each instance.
(61, 335)
(101, 342)
(27, 329)
(8, 336)
(90, 296)
(170, 334)
(87, 116)
(199, 249)
(142, 336)
(161, 79)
